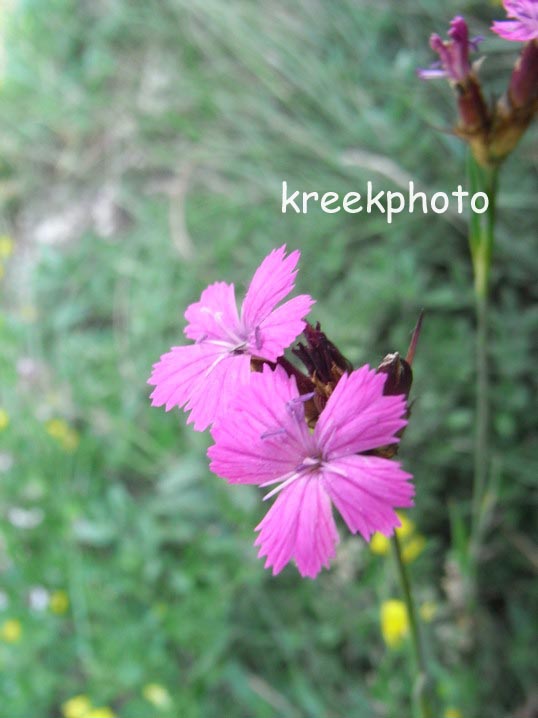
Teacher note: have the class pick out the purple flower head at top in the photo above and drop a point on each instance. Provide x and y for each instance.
(524, 26)
(454, 53)
(204, 376)
(265, 440)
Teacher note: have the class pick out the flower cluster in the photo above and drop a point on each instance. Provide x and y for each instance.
(491, 131)
(317, 438)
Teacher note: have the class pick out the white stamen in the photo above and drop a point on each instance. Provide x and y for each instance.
(283, 485)
(236, 339)
(336, 470)
(306, 467)
(285, 477)
(215, 363)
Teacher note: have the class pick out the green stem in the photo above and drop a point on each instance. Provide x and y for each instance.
(481, 240)
(422, 690)
(481, 451)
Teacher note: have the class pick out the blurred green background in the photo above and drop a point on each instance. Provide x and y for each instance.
(142, 149)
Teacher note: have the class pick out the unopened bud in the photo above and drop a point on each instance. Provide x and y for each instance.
(399, 380)
(325, 365)
(321, 357)
(399, 375)
(523, 89)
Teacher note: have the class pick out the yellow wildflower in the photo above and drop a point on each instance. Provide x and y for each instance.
(4, 419)
(406, 529)
(413, 548)
(157, 695)
(6, 246)
(453, 713)
(412, 545)
(394, 622)
(76, 707)
(379, 544)
(11, 631)
(59, 602)
(60, 430)
(427, 611)
(100, 713)
(56, 428)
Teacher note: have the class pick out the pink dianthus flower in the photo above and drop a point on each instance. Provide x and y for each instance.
(204, 376)
(265, 440)
(524, 26)
(453, 54)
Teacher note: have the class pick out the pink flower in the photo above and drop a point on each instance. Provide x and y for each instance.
(265, 440)
(453, 54)
(204, 376)
(524, 27)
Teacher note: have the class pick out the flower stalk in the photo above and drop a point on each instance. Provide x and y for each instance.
(422, 691)
(481, 241)
(492, 131)
(399, 380)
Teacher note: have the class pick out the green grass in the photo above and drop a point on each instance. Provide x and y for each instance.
(181, 120)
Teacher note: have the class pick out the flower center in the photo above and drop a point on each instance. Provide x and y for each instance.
(233, 335)
(310, 464)
(295, 431)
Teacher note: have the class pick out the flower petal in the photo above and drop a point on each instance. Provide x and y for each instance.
(204, 377)
(258, 439)
(366, 490)
(212, 394)
(177, 371)
(522, 9)
(300, 526)
(358, 417)
(280, 328)
(524, 26)
(516, 30)
(215, 315)
(273, 280)
(431, 73)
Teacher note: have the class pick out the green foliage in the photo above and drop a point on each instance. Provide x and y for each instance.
(143, 147)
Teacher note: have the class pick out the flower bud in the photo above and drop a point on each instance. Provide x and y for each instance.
(325, 365)
(523, 88)
(399, 375)
(321, 357)
(399, 380)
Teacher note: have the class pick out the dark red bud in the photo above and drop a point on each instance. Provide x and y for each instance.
(474, 114)
(523, 89)
(399, 380)
(321, 357)
(399, 375)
